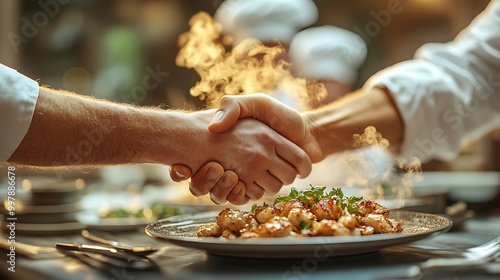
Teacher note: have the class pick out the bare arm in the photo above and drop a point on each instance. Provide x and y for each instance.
(72, 130)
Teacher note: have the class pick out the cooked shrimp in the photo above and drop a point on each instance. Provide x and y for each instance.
(286, 206)
(327, 209)
(349, 221)
(276, 227)
(380, 223)
(235, 220)
(229, 234)
(329, 228)
(209, 230)
(266, 212)
(328, 217)
(363, 230)
(301, 218)
(367, 206)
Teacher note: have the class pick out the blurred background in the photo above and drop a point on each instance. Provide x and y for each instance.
(106, 48)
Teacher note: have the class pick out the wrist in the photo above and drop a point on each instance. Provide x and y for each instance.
(333, 126)
(178, 138)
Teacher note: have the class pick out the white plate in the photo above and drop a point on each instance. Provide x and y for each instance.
(93, 221)
(181, 230)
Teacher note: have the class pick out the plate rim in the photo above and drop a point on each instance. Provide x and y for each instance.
(213, 245)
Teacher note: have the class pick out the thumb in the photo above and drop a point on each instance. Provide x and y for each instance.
(232, 108)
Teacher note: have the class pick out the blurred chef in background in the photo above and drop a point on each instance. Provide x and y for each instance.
(327, 54)
(271, 22)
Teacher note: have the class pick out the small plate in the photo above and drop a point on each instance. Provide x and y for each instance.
(93, 221)
(181, 230)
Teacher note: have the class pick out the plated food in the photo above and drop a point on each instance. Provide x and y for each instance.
(156, 211)
(312, 212)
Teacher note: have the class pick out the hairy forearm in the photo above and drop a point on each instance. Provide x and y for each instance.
(73, 130)
(334, 125)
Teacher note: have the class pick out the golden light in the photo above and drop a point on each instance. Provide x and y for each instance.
(26, 185)
(80, 183)
(147, 212)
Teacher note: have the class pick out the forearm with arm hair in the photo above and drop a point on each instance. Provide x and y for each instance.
(73, 130)
(334, 125)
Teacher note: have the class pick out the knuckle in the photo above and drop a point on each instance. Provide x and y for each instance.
(265, 137)
(254, 155)
(225, 182)
(255, 192)
(224, 101)
(289, 177)
(274, 188)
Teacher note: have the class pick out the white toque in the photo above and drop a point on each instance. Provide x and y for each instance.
(327, 53)
(265, 20)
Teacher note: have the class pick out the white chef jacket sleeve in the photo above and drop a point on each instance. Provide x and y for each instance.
(18, 96)
(449, 93)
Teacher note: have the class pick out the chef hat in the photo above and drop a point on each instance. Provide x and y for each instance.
(327, 53)
(265, 20)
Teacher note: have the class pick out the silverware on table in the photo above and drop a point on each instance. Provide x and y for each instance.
(477, 259)
(137, 250)
(103, 257)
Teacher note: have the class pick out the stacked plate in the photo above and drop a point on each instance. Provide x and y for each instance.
(46, 206)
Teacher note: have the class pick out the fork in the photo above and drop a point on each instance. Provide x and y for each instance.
(474, 258)
(137, 250)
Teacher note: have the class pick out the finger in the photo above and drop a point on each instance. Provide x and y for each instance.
(284, 171)
(295, 156)
(179, 172)
(206, 178)
(224, 187)
(261, 107)
(255, 191)
(237, 195)
(270, 183)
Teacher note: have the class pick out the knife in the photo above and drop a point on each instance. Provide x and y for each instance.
(106, 251)
(137, 250)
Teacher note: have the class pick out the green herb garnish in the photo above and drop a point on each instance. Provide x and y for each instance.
(305, 225)
(317, 193)
(253, 208)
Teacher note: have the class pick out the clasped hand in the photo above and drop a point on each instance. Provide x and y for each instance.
(270, 145)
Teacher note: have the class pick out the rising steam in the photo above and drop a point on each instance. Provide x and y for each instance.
(250, 67)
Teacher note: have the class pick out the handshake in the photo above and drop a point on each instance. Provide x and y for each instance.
(266, 145)
(256, 144)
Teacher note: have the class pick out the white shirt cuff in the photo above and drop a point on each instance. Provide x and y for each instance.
(18, 97)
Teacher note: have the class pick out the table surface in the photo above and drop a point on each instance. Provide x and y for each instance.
(183, 263)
